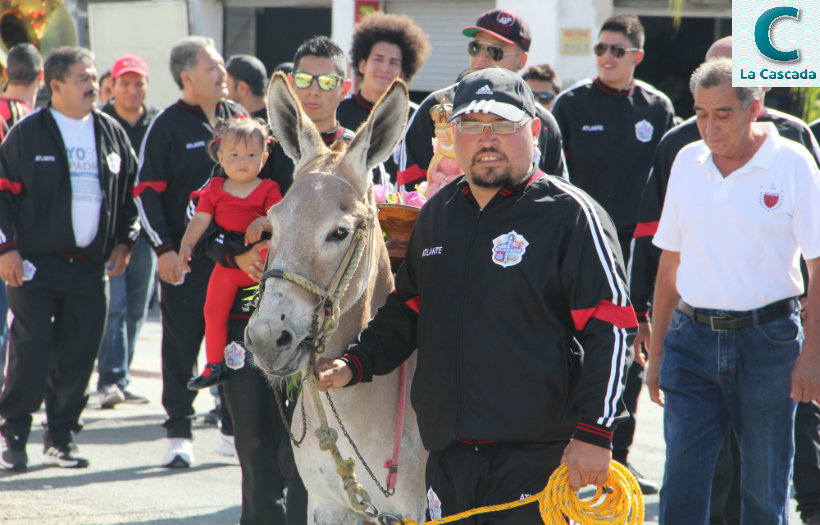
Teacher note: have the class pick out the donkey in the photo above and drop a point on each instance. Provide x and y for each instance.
(313, 228)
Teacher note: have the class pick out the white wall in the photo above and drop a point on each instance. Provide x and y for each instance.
(540, 16)
(205, 17)
(343, 18)
(119, 28)
(579, 14)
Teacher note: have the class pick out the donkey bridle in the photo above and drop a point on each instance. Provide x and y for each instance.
(328, 307)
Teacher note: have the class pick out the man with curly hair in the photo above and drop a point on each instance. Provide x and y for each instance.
(385, 47)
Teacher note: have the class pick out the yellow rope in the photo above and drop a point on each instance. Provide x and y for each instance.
(618, 502)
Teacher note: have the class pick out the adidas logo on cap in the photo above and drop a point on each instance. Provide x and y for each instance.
(485, 90)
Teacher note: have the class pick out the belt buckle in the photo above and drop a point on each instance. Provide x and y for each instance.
(714, 318)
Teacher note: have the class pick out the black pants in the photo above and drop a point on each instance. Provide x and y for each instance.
(725, 498)
(262, 442)
(807, 456)
(58, 324)
(183, 327)
(625, 432)
(464, 477)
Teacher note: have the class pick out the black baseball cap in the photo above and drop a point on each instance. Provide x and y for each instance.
(502, 24)
(250, 70)
(494, 90)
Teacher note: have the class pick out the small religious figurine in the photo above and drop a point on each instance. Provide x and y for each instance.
(443, 166)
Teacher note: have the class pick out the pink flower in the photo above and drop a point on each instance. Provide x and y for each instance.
(414, 198)
(380, 191)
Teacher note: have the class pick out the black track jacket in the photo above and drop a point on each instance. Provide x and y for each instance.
(609, 139)
(35, 189)
(520, 313)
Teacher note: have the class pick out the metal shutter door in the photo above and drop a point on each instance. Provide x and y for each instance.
(443, 21)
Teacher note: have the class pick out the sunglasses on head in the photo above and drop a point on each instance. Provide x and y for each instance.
(544, 97)
(326, 82)
(617, 50)
(495, 52)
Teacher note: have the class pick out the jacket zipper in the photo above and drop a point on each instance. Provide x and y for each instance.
(459, 338)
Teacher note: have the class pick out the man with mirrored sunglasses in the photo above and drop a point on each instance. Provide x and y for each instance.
(610, 126)
(500, 38)
(501, 404)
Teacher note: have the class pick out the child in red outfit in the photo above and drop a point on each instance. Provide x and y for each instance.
(237, 203)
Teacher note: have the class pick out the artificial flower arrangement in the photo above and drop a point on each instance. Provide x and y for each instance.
(415, 198)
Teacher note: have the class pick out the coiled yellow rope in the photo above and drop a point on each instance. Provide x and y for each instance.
(618, 502)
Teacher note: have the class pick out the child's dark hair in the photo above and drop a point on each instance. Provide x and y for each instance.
(242, 127)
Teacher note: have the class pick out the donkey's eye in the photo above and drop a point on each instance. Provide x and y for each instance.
(338, 234)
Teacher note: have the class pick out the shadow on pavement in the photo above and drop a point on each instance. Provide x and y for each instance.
(11, 481)
(229, 515)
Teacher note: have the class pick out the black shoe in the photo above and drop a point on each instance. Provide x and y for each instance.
(647, 487)
(63, 455)
(13, 453)
(218, 374)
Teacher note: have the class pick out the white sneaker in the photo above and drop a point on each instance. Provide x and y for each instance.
(225, 445)
(180, 453)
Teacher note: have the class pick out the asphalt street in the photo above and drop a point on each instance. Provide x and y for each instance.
(125, 483)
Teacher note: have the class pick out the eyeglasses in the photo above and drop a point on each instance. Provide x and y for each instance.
(617, 50)
(303, 80)
(544, 97)
(501, 127)
(495, 52)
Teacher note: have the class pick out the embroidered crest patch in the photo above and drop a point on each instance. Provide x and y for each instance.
(643, 131)
(433, 505)
(114, 161)
(508, 249)
(234, 356)
(770, 197)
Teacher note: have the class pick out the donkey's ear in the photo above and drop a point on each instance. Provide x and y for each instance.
(378, 136)
(289, 124)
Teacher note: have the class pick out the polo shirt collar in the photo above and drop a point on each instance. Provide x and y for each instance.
(763, 158)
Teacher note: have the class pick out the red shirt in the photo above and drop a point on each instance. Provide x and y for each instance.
(235, 213)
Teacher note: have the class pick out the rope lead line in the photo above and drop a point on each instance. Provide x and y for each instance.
(618, 502)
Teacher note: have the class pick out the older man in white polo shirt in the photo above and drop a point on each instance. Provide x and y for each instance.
(742, 206)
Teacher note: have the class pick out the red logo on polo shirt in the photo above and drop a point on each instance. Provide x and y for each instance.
(770, 197)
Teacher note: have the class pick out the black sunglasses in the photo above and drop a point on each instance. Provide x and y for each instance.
(544, 97)
(617, 50)
(495, 52)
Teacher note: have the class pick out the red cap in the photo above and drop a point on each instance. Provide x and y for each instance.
(129, 64)
(503, 24)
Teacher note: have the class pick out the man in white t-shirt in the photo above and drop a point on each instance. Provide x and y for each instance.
(741, 207)
(67, 220)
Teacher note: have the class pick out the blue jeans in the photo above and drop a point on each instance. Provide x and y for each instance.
(714, 381)
(129, 295)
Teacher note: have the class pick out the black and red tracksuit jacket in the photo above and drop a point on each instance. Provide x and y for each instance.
(609, 138)
(520, 313)
(354, 111)
(416, 149)
(35, 189)
(645, 255)
(174, 163)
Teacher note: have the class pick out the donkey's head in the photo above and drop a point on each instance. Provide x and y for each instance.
(328, 210)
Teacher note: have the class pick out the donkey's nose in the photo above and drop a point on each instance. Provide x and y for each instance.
(285, 339)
